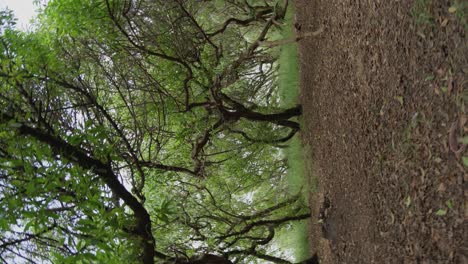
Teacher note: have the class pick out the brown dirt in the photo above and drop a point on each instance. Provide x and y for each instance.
(383, 91)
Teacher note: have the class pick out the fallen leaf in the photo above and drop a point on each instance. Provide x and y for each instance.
(453, 142)
(441, 212)
(408, 201)
(463, 140)
(465, 161)
(444, 89)
(429, 78)
(399, 99)
(436, 89)
(421, 35)
(463, 121)
(392, 218)
(435, 235)
(444, 23)
(449, 85)
(449, 204)
(441, 187)
(452, 9)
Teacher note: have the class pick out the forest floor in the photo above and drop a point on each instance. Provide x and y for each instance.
(384, 96)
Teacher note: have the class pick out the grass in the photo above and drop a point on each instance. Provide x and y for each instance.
(460, 8)
(421, 13)
(295, 177)
(288, 83)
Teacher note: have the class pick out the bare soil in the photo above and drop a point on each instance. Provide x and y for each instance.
(384, 96)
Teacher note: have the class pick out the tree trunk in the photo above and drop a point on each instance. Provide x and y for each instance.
(209, 259)
(255, 116)
(278, 118)
(313, 260)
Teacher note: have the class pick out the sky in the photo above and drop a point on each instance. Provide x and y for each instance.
(23, 9)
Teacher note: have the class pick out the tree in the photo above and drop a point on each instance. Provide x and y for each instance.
(145, 131)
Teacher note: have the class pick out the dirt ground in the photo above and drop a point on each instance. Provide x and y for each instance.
(384, 96)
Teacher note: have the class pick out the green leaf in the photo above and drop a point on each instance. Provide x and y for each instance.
(52, 214)
(104, 246)
(4, 225)
(408, 201)
(463, 140)
(66, 198)
(449, 204)
(86, 222)
(88, 123)
(399, 99)
(13, 202)
(164, 218)
(465, 161)
(29, 225)
(81, 244)
(429, 78)
(441, 212)
(75, 140)
(88, 256)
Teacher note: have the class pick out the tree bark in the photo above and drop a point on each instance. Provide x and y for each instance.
(210, 259)
(313, 260)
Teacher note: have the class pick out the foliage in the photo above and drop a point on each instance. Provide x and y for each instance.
(143, 131)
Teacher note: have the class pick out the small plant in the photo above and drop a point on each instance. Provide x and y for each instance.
(441, 212)
(421, 12)
(459, 8)
(444, 211)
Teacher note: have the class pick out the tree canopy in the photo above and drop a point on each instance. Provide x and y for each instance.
(144, 131)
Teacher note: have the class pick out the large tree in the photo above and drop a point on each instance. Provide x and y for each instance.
(146, 131)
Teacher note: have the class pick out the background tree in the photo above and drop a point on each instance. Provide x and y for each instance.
(143, 131)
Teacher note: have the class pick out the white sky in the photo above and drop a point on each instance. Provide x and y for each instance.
(24, 10)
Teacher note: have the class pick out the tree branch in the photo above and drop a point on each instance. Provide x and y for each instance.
(83, 159)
